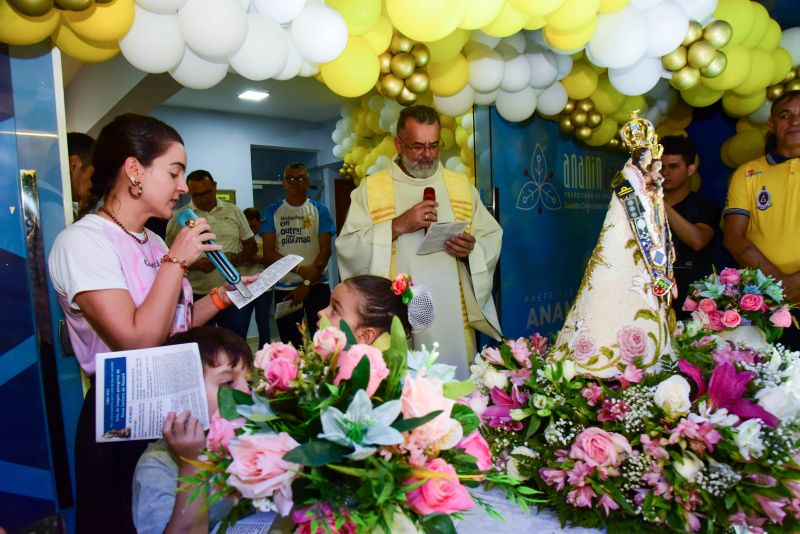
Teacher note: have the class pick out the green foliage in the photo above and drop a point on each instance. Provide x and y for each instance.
(229, 398)
(395, 358)
(464, 415)
(316, 453)
(438, 524)
(403, 425)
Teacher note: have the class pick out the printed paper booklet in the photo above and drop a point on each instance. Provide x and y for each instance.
(268, 278)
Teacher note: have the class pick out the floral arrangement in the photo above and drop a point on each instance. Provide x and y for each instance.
(738, 297)
(348, 439)
(710, 442)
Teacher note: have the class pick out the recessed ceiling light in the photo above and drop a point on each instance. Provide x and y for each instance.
(253, 95)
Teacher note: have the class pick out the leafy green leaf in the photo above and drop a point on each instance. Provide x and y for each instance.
(533, 426)
(228, 398)
(316, 452)
(464, 415)
(351, 338)
(396, 360)
(508, 357)
(438, 524)
(645, 314)
(402, 425)
(360, 377)
(456, 390)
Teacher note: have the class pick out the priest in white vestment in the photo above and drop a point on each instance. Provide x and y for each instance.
(387, 221)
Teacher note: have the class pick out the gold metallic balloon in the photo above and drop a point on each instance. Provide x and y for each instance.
(421, 54)
(403, 65)
(674, 60)
(789, 77)
(614, 143)
(32, 8)
(774, 91)
(701, 54)
(594, 119)
(342, 172)
(585, 105)
(685, 78)
(565, 124)
(694, 33)
(583, 133)
(75, 5)
(569, 107)
(391, 85)
(718, 33)
(717, 65)
(418, 82)
(406, 97)
(385, 61)
(579, 117)
(794, 85)
(400, 43)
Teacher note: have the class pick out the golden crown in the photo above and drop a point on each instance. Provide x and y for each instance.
(640, 133)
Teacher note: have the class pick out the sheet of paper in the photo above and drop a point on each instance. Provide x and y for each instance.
(268, 278)
(135, 389)
(285, 307)
(258, 523)
(438, 234)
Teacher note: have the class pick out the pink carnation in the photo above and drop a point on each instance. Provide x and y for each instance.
(729, 275)
(329, 341)
(476, 446)
(584, 347)
(731, 318)
(350, 360)
(597, 447)
(689, 305)
(750, 302)
(441, 493)
(707, 305)
(781, 318)
(632, 343)
(258, 469)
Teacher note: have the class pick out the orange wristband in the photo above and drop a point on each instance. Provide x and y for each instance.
(215, 298)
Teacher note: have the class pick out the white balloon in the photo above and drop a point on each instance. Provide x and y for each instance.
(383, 162)
(544, 68)
(213, 29)
(564, 65)
(283, 11)
(660, 90)
(620, 39)
(667, 24)
(486, 99)
(461, 169)
(638, 78)
(348, 144)
(467, 122)
(338, 135)
(338, 151)
(516, 75)
(653, 115)
(762, 114)
(154, 43)
(790, 40)
(471, 141)
(265, 50)
(309, 69)
(489, 40)
(347, 121)
(641, 5)
(452, 162)
(294, 62)
(319, 33)
(372, 169)
(552, 100)
(164, 7)
(516, 41)
(195, 72)
(698, 10)
(486, 70)
(516, 107)
(455, 105)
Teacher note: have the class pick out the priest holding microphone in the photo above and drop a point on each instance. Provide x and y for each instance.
(389, 214)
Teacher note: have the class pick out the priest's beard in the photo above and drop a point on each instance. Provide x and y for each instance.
(421, 168)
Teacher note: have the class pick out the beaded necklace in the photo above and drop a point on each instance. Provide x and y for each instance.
(140, 241)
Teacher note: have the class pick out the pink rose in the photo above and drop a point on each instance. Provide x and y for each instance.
(221, 431)
(689, 305)
(521, 352)
(323, 514)
(280, 373)
(597, 447)
(707, 305)
(400, 284)
(632, 343)
(781, 318)
(476, 446)
(258, 469)
(350, 359)
(584, 347)
(420, 396)
(275, 351)
(329, 341)
(492, 355)
(731, 318)
(439, 494)
(715, 320)
(750, 302)
(729, 275)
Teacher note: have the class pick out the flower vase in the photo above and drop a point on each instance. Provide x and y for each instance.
(750, 336)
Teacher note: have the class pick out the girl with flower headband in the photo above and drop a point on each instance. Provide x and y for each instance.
(368, 303)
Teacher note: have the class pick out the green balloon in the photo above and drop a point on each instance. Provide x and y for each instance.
(32, 8)
(75, 5)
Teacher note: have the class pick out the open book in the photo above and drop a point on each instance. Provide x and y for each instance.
(136, 389)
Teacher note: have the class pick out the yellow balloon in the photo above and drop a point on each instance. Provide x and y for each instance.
(449, 77)
(448, 138)
(479, 13)
(461, 137)
(571, 41)
(762, 70)
(681, 115)
(581, 82)
(447, 48)
(700, 96)
(739, 106)
(738, 69)
(537, 8)
(739, 14)
(86, 50)
(508, 22)
(534, 23)
(609, 6)
(783, 65)
(631, 103)
(102, 22)
(746, 146)
(425, 20)
(724, 154)
(360, 16)
(607, 100)
(19, 29)
(742, 125)
(354, 72)
(573, 15)
(603, 133)
(772, 38)
(380, 35)
(760, 24)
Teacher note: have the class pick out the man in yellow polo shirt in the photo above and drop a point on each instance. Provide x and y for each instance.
(762, 211)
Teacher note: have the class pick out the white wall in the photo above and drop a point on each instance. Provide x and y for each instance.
(220, 142)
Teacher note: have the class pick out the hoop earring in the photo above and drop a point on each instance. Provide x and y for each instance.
(136, 193)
